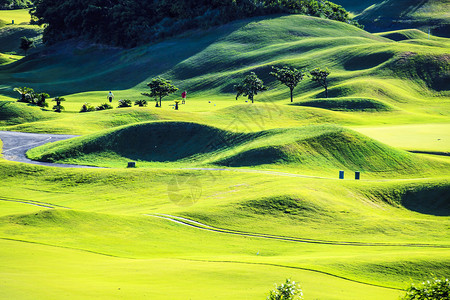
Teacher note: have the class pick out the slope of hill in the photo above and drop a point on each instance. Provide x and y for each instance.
(402, 14)
(357, 6)
(229, 197)
(311, 147)
(12, 113)
(138, 22)
(10, 37)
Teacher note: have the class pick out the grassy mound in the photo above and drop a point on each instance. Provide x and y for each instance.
(156, 141)
(431, 199)
(281, 205)
(10, 37)
(404, 34)
(347, 104)
(312, 147)
(6, 59)
(12, 113)
(327, 147)
(398, 14)
(433, 70)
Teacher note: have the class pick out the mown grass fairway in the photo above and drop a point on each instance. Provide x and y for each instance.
(20, 16)
(230, 197)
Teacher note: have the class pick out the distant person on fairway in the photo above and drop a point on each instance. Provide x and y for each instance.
(110, 96)
(183, 97)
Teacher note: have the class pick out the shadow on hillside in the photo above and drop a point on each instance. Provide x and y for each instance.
(75, 66)
(431, 201)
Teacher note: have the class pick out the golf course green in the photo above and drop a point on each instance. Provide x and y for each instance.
(228, 197)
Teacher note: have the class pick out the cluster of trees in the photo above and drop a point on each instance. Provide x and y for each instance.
(290, 77)
(128, 23)
(28, 95)
(15, 4)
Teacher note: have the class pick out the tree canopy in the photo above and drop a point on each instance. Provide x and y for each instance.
(15, 4)
(320, 76)
(128, 23)
(160, 88)
(288, 76)
(250, 86)
(26, 44)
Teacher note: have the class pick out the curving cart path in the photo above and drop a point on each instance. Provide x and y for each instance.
(16, 145)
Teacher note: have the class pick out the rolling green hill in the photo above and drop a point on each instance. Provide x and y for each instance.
(12, 113)
(391, 15)
(10, 37)
(229, 197)
(321, 148)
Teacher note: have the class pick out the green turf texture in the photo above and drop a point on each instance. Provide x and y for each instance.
(383, 101)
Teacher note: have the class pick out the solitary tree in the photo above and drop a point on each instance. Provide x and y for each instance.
(26, 44)
(320, 76)
(250, 86)
(23, 91)
(58, 107)
(160, 88)
(290, 77)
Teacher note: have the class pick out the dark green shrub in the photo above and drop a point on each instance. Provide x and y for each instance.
(103, 106)
(86, 108)
(432, 289)
(141, 103)
(124, 103)
(25, 94)
(40, 100)
(58, 107)
(289, 290)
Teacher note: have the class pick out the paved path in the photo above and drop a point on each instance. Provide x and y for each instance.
(16, 144)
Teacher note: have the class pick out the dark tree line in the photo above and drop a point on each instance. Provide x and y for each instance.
(15, 4)
(128, 23)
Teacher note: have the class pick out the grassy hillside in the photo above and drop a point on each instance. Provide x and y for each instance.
(209, 63)
(12, 113)
(105, 224)
(10, 37)
(268, 204)
(20, 16)
(430, 14)
(356, 6)
(311, 149)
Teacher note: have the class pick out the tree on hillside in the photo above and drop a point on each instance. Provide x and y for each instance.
(160, 88)
(26, 44)
(58, 107)
(288, 76)
(23, 91)
(320, 76)
(250, 86)
(41, 97)
(133, 22)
